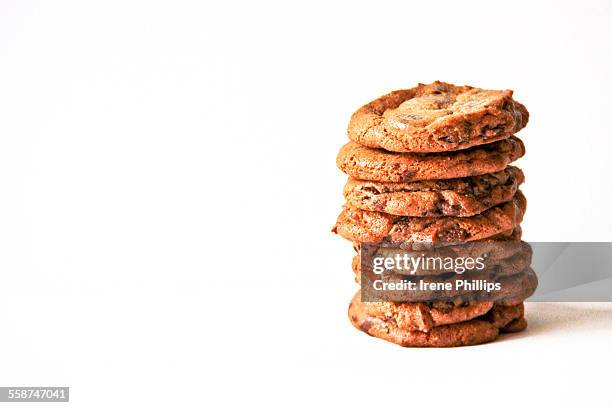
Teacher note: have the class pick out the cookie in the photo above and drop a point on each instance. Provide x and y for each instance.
(364, 163)
(422, 316)
(437, 117)
(502, 245)
(451, 335)
(360, 225)
(462, 197)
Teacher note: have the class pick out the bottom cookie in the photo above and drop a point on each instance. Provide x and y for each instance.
(477, 331)
(425, 316)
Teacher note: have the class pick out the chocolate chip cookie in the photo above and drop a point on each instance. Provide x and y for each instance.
(424, 316)
(360, 225)
(364, 163)
(462, 197)
(395, 322)
(437, 117)
(451, 335)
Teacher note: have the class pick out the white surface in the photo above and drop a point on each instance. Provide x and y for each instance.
(168, 185)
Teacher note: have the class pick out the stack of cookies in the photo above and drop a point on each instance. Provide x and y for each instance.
(430, 165)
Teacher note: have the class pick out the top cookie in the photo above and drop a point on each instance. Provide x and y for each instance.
(437, 117)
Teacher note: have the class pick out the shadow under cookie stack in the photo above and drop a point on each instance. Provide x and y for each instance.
(430, 165)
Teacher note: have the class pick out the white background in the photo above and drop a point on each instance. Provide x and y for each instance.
(168, 185)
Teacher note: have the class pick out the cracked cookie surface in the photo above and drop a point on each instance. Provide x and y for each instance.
(437, 117)
(424, 316)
